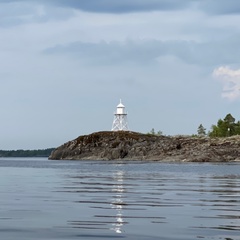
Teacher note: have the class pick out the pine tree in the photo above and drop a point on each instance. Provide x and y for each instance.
(201, 130)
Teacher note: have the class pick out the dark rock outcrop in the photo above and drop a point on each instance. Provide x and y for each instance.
(137, 146)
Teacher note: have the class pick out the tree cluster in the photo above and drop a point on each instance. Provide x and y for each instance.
(225, 127)
(152, 132)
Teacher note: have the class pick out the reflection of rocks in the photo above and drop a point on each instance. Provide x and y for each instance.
(138, 146)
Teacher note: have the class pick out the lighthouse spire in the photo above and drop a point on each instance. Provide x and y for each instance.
(120, 119)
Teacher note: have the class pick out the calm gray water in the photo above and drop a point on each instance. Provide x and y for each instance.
(42, 199)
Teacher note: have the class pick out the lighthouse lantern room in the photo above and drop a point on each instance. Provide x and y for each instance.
(120, 119)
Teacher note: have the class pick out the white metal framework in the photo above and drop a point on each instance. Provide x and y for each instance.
(120, 119)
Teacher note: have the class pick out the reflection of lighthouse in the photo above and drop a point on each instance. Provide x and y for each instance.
(120, 119)
(117, 202)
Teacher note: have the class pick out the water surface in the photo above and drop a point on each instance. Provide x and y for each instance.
(43, 199)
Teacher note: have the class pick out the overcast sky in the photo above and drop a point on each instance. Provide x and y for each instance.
(66, 63)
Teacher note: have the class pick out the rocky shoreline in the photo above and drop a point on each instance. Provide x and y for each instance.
(126, 145)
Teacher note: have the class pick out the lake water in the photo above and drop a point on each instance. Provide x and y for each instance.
(67, 200)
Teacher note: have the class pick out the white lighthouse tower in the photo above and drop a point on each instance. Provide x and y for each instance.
(120, 119)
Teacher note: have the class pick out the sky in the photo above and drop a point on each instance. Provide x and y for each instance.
(65, 64)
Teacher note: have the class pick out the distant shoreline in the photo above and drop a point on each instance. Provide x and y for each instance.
(26, 153)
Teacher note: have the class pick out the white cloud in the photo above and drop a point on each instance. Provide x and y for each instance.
(230, 80)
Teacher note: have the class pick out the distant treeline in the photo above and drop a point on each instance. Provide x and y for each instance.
(26, 153)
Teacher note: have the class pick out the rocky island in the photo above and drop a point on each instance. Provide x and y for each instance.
(127, 145)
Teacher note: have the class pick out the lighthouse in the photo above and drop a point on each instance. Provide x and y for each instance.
(120, 119)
